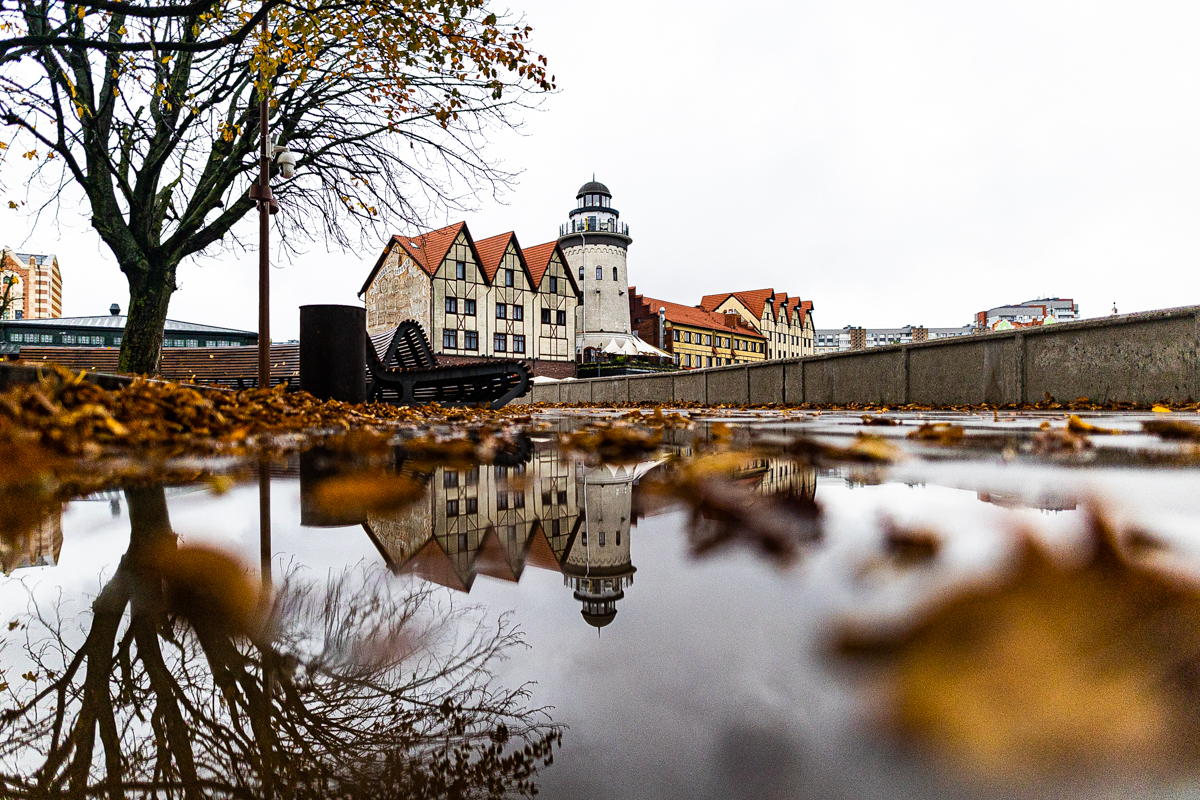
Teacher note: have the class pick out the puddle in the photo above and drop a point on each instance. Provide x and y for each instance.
(675, 622)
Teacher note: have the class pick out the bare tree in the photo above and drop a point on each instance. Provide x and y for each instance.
(150, 112)
(8, 295)
(369, 691)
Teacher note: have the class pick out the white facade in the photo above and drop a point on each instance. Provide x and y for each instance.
(595, 243)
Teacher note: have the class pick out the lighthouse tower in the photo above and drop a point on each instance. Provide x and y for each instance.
(596, 242)
(598, 566)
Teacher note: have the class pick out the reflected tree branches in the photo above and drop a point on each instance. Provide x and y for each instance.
(362, 686)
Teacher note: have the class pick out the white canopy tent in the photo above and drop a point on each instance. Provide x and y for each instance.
(622, 344)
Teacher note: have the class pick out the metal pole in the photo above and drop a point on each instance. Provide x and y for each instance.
(264, 238)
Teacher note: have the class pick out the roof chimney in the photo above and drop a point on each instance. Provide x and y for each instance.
(114, 309)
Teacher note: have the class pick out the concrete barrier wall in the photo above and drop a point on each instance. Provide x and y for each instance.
(1136, 358)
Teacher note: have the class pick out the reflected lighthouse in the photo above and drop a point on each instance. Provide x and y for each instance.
(598, 566)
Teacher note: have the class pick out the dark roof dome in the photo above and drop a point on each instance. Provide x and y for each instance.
(593, 187)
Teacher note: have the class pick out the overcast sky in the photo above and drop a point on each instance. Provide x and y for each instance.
(894, 162)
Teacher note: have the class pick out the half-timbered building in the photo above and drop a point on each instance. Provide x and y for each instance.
(478, 299)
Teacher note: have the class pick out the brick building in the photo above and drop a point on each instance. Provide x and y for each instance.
(696, 337)
(1045, 310)
(36, 285)
(478, 299)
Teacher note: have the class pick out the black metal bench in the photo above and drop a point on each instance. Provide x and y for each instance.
(408, 374)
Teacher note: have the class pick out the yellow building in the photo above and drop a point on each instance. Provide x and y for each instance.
(697, 337)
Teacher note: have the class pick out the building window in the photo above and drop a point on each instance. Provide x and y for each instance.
(545, 316)
(500, 344)
(687, 336)
(602, 538)
(518, 313)
(472, 505)
(556, 530)
(451, 508)
(599, 273)
(708, 339)
(469, 307)
(561, 316)
(509, 277)
(451, 305)
(675, 335)
(470, 340)
(450, 339)
(562, 496)
(449, 479)
(518, 343)
(501, 501)
(708, 359)
(553, 285)
(190, 342)
(547, 497)
(460, 270)
(687, 361)
(473, 476)
(581, 273)
(614, 273)
(68, 338)
(518, 499)
(501, 311)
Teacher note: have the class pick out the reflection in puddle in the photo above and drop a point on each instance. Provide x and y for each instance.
(405, 674)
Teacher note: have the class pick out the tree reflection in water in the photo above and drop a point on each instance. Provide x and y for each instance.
(357, 688)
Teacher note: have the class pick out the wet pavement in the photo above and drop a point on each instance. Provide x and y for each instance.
(730, 604)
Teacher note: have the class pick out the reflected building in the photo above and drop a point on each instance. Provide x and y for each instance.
(544, 512)
(39, 547)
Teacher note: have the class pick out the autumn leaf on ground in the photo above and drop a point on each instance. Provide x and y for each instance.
(1058, 668)
(1074, 423)
(356, 495)
(210, 587)
(726, 508)
(613, 442)
(940, 432)
(1173, 429)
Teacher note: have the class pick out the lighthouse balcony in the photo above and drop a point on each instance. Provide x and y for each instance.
(592, 224)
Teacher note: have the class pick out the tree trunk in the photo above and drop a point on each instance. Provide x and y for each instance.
(150, 288)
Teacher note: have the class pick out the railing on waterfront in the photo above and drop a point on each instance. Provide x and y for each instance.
(589, 225)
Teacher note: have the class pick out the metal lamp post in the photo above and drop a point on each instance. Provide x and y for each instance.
(267, 205)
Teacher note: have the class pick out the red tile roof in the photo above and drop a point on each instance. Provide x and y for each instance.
(700, 318)
(538, 259)
(756, 300)
(491, 253)
(752, 300)
(427, 249)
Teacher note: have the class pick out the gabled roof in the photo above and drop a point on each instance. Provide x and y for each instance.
(752, 300)
(538, 259)
(538, 551)
(427, 249)
(491, 252)
(432, 563)
(492, 559)
(701, 318)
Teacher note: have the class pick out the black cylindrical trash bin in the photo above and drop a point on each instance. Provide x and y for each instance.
(333, 352)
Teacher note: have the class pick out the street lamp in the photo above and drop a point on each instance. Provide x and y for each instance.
(267, 205)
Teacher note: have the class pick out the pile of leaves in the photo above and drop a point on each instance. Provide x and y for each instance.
(1060, 664)
(68, 415)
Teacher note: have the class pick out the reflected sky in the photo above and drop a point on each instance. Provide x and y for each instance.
(676, 676)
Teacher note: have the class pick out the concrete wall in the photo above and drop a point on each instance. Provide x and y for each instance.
(1136, 358)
